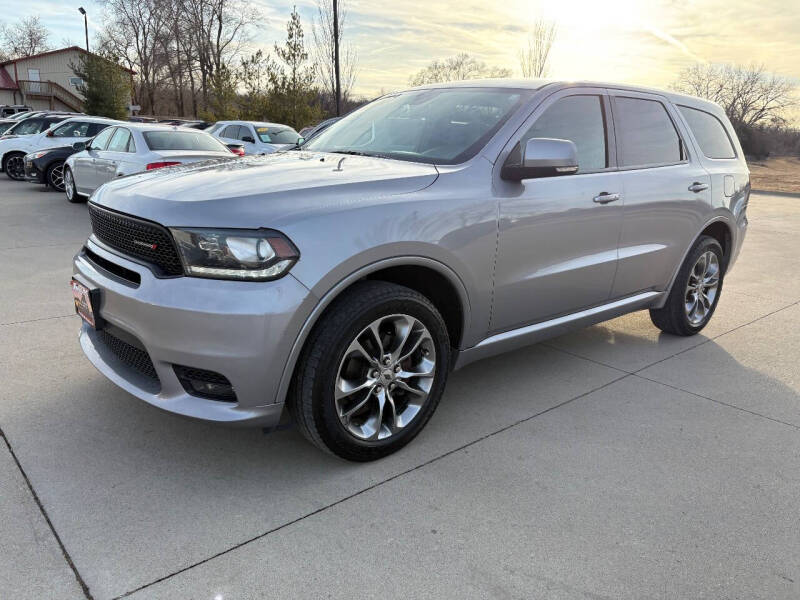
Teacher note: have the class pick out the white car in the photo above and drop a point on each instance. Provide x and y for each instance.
(132, 148)
(255, 136)
(65, 132)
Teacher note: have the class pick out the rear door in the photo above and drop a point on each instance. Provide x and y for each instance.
(666, 191)
(112, 160)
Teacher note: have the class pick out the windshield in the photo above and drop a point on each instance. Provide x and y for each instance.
(4, 126)
(182, 140)
(444, 126)
(268, 135)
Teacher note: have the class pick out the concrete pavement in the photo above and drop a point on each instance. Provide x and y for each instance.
(614, 462)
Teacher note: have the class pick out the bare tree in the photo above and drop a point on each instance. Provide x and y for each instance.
(750, 95)
(534, 58)
(457, 68)
(323, 53)
(26, 38)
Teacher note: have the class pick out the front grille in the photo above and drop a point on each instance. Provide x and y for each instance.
(133, 357)
(112, 267)
(137, 238)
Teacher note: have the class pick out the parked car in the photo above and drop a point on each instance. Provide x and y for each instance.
(131, 148)
(257, 137)
(7, 110)
(65, 132)
(309, 132)
(13, 144)
(47, 166)
(428, 229)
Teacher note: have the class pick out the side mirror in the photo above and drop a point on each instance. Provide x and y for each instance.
(543, 157)
(248, 139)
(300, 140)
(78, 146)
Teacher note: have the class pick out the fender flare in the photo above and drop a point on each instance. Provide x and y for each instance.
(718, 218)
(343, 284)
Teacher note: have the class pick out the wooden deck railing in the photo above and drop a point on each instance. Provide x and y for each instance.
(52, 90)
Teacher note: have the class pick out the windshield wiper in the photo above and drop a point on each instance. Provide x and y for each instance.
(359, 153)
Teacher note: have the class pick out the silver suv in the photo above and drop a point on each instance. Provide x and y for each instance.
(342, 282)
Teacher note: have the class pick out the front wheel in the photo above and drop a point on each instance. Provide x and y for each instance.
(695, 292)
(69, 187)
(55, 176)
(14, 165)
(372, 371)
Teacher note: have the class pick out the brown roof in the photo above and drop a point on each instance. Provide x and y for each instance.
(6, 82)
(59, 51)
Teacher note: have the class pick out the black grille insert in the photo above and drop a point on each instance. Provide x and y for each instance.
(112, 267)
(135, 358)
(140, 239)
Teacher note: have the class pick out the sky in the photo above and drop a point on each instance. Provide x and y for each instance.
(646, 42)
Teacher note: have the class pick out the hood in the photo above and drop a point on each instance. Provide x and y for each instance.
(262, 191)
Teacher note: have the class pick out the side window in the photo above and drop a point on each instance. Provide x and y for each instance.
(101, 141)
(231, 131)
(579, 119)
(95, 128)
(645, 133)
(246, 132)
(119, 142)
(709, 132)
(72, 129)
(131, 145)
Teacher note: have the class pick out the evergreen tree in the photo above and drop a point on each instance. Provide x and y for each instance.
(105, 86)
(294, 99)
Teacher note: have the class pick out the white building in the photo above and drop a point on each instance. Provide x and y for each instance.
(44, 81)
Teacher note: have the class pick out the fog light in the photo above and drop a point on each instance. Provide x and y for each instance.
(205, 384)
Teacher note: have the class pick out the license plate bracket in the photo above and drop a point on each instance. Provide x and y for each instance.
(87, 303)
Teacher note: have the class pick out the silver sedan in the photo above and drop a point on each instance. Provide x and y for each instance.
(133, 148)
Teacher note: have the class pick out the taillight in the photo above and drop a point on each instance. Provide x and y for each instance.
(159, 165)
(237, 150)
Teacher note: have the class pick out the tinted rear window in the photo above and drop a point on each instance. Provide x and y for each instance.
(646, 133)
(182, 140)
(709, 132)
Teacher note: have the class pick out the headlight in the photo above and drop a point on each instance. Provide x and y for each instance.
(35, 155)
(249, 255)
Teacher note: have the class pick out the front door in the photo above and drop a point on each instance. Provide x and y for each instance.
(557, 246)
(33, 76)
(86, 162)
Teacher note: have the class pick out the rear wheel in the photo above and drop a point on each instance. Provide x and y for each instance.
(14, 165)
(55, 176)
(69, 187)
(372, 372)
(695, 292)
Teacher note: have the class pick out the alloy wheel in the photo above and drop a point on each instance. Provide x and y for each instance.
(702, 288)
(57, 177)
(15, 166)
(385, 377)
(69, 184)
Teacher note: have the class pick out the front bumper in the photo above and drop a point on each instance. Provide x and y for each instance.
(32, 172)
(241, 330)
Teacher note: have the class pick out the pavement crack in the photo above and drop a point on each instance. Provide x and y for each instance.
(371, 487)
(64, 551)
(72, 314)
(680, 389)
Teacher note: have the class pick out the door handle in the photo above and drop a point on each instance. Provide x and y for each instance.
(698, 187)
(605, 198)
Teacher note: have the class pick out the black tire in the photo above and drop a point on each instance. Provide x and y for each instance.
(672, 317)
(55, 176)
(71, 194)
(311, 397)
(13, 166)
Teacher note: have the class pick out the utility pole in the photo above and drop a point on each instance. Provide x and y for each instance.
(85, 26)
(336, 57)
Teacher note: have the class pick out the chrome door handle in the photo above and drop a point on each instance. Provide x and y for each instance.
(605, 198)
(698, 187)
